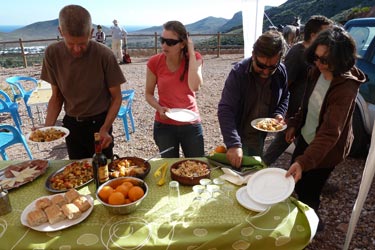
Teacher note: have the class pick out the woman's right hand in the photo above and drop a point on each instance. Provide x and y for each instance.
(290, 134)
(162, 111)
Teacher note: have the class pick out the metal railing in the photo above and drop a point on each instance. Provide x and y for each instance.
(31, 52)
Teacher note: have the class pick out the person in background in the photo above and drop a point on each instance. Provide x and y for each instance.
(290, 34)
(177, 75)
(85, 79)
(118, 34)
(100, 35)
(297, 67)
(256, 87)
(323, 126)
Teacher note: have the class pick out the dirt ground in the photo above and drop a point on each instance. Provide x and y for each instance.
(336, 205)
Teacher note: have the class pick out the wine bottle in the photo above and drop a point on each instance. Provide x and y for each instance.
(99, 163)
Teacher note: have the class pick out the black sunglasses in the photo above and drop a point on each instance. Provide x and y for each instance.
(169, 42)
(264, 66)
(322, 59)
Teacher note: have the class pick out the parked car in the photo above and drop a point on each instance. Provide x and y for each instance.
(363, 32)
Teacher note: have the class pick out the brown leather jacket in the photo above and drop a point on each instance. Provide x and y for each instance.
(334, 134)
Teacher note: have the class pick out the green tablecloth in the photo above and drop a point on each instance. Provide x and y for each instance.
(218, 224)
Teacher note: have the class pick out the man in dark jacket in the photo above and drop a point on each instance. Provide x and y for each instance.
(256, 87)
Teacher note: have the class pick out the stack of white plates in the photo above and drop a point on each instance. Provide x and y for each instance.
(265, 188)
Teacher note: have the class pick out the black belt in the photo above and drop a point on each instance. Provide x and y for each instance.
(101, 116)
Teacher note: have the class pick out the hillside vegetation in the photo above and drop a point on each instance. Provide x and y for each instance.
(338, 10)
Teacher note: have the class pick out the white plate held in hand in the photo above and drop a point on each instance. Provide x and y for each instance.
(269, 186)
(182, 115)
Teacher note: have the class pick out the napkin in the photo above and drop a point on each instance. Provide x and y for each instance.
(235, 178)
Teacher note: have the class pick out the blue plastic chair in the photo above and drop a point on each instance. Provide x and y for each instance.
(10, 135)
(7, 106)
(125, 111)
(19, 91)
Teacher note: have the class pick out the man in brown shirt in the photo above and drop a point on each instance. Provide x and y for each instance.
(85, 78)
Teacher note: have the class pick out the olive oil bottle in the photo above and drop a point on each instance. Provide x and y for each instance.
(99, 163)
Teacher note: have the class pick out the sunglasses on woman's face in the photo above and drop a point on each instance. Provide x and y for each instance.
(169, 42)
(263, 66)
(322, 59)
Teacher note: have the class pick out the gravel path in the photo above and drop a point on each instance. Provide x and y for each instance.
(336, 205)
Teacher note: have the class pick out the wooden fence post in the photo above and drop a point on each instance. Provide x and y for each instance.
(218, 44)
(23, 53)
(156, 42)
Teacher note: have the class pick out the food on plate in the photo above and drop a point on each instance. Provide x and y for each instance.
(82, 203)
(71, 195)
(57, 208)
(43, 203)
(54, 214)
(191, 168)
(269, 124)
(126, 167)
(23, 172)
(59, 200)
(73, 175)
(71, 211)
(46, 135)
(36, 217)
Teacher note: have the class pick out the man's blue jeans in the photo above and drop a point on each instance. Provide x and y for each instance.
(190, 137)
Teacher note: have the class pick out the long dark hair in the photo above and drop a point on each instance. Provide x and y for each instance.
(182, 34)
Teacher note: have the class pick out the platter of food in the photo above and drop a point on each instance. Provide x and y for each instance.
(190, 172)
(73, 175)
(56, 212)
(18, 174)
(268, 125)
(47, 134)
(128, 167)
(182, 115)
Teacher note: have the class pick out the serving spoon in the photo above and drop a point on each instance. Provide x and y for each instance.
(160, 153)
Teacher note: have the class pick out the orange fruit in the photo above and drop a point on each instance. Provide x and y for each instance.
(105, 192)
(221, 149)
(116, 198)
(127, 183)
(123, 189)
(135, 193)
(127, 201)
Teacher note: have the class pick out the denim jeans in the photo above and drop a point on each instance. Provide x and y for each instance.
(190, 137)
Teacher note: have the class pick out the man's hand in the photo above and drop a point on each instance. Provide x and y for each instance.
(234, 155)
(295, 170)
(105, 138)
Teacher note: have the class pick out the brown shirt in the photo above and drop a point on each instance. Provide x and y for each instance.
(84, 82)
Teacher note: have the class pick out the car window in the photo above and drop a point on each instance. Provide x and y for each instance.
(363, 37)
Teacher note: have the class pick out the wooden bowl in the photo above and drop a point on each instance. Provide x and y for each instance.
(140, 170)
(190, 179)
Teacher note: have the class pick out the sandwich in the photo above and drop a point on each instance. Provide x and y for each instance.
(54, 214)
(71, 211)
(36, 217)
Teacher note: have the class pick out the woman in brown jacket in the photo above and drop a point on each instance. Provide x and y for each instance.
(324, 122)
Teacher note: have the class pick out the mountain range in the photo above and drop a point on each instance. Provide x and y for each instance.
(338, 10)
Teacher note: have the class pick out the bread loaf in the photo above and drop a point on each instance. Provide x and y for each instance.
(54, 214)
(59, 200)
(36, 217)
(82, 203)
(71, 195)
(43, 203)
(71, 211)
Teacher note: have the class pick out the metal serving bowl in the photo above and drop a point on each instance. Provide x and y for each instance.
(125, 208)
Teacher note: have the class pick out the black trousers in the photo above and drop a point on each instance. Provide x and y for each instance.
(80, 141)
(309, 187)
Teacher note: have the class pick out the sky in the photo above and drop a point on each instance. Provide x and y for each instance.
(127, 12)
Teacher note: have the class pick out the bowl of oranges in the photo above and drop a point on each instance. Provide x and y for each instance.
(122, 195)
